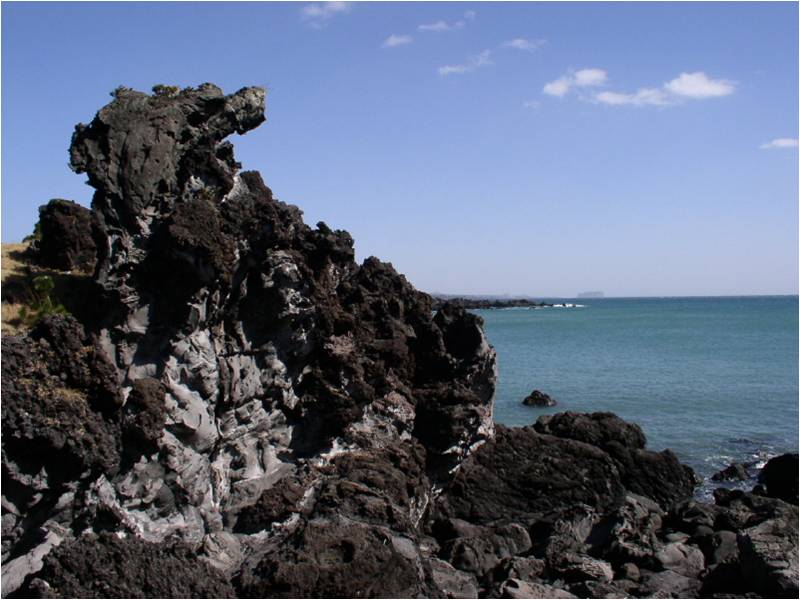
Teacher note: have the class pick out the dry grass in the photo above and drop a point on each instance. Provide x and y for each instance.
(12, 293)
(18, 272)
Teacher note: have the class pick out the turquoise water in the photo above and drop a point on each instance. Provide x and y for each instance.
(714, 379)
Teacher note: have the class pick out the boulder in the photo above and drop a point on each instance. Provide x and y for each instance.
(681, 558)
(769, 556)
(522, 474)
(689, 516)
(484, 549)
(659, 476)
(574, 567)
(69, 236)
(780, 476)
(629, 571)
(602, 429)
(668, 584)
(719, 546)
(515, 588)
(633, 532)
(526, 568)
(449, 582)
(733, 472)
(537, 398)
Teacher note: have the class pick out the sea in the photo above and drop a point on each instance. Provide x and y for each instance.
(713, 379)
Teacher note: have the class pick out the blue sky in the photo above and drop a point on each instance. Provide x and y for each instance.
(520, 148)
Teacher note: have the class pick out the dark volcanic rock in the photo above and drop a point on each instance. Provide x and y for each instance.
(142, 152)
(486, 303)
(110, 567)
(659, 476)
(52, 409)
(733, 472)
(604, 430)
(144, 417)
(337, 559)
(769, 558)
(537, 398)
(522, 474)
(780, 476)
(69, 234)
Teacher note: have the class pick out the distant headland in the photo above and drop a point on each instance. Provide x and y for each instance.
(591, 295)
(484, 302)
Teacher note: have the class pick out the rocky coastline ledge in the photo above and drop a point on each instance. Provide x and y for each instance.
(238, 409)
(487, 303)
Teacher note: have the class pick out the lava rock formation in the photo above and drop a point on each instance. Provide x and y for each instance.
(248, 412)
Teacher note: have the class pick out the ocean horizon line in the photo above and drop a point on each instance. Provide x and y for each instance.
(606, 297)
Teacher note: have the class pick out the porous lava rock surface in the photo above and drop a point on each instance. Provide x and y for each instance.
(69, 234)
(248, 412)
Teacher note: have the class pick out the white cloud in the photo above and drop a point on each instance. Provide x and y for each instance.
(439, 26)
(473, 62)
(319, 12)
(557, 88)
(686, 86)
(642, 97)
(452, 70)
(523, 44)
(780, 143)
(397, 40)
(582, 78)
(698, 85)
(587, 77)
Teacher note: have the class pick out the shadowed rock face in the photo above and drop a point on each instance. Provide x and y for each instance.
(249, 412)
(69, 235)
(780, 477)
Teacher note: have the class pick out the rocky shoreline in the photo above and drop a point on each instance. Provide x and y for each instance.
(487, 303)
(242, 410)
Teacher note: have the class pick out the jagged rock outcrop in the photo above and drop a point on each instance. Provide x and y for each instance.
(248, 412)
(243, 385)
